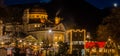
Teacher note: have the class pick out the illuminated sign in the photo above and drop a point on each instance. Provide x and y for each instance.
(94, 44)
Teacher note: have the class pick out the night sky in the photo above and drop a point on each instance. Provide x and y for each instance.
(103, 3)
(97, 3)
(86, 13)
(13, 2)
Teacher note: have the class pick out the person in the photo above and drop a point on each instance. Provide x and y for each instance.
(82, 52)
(28, 51)
(41, 54)
(3, 51)
(9, 51)
(16, 51)
(75, 52)
(22, 52)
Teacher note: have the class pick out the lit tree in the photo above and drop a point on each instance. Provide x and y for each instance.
(110, 26)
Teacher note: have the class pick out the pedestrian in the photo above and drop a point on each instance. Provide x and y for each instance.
(3, 51)
(41, 54)
(28, 51)
(82, 52)
(16, 51)
(9, 51)
(22, 52)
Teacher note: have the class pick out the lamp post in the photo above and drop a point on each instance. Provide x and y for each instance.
(20, 43)
(50, 31)
(46, 42)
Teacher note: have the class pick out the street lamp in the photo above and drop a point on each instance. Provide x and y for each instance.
(46, 43)
(50, 31)
(20, 41)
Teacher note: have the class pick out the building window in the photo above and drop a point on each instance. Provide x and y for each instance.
(38, 25)
(75, 42)
(32, 16)
(35, 25)
(37, 16)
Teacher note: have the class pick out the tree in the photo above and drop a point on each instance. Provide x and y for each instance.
(110, 26)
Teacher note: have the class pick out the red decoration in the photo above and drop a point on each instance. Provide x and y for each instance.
(94, 44)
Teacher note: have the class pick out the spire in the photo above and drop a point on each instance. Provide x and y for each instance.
(57, 19)
(58, 12)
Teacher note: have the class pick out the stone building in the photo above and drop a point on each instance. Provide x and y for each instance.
(35, 22)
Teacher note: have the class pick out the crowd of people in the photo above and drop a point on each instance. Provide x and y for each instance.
(19, 51)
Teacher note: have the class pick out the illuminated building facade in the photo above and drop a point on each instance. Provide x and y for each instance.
(35, 22)
(77, 39)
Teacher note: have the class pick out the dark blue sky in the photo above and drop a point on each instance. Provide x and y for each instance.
(97, 3)
(103, 3)
(12, 2)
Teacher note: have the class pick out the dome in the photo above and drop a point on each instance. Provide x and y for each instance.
(35, 14)
(37, 10)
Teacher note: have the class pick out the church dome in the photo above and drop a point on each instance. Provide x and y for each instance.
(37, 10)
(35, 14)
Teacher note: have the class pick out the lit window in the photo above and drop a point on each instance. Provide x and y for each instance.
(33, 16)
(75, 42)
(38, 25)
(41, 16)
(37, 16)
(35, 25)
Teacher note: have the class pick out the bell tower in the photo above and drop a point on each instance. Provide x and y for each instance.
(57, 19)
